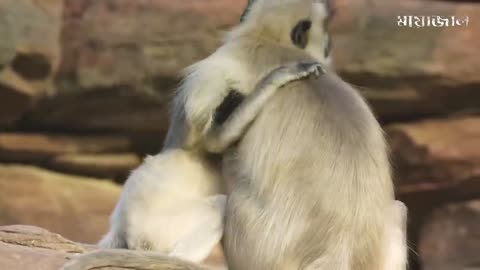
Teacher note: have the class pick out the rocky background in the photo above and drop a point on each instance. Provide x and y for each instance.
(84, 86)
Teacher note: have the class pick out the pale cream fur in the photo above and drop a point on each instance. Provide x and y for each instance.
(173, 203)
(310, 180)
(167, 203)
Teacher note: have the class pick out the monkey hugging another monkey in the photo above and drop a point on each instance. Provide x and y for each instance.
(303, 162)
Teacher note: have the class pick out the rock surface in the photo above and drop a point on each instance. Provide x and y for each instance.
(98, 156)
(435, 162)
(120, 76)
(29, 54)
(409, 72)
(115, 166)
(115, 77)
(25, 146)
(27, 247)
(76, 207)
(437, 155)
(451, 239)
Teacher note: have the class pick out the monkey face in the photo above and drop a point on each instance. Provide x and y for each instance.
(299, 24)
(302, 24)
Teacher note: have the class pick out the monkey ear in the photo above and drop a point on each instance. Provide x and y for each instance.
(299, 34)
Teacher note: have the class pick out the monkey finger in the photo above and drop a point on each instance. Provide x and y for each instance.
(319, 71)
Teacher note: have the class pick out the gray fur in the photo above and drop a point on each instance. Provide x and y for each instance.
(310, 179)
(324, 204)
(141, 215)
(221, 137)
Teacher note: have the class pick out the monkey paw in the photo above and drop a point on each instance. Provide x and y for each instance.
(307, 69)
(292, 72)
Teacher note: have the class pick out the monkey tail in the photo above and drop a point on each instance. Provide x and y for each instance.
(129, 259)
(113, 239)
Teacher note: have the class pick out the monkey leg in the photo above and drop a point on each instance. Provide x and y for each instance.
(394, 248)
(207, 231)
(188, 230)
(220, 137)
(206, 216)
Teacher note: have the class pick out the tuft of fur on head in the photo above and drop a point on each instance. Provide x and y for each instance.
(273, 20)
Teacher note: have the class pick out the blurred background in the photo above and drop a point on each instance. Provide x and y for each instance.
(84, 88)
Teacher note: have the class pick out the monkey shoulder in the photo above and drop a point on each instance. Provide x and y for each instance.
(208, 83)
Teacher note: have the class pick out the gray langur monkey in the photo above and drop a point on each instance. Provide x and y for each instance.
(309, 182)
(173, 203)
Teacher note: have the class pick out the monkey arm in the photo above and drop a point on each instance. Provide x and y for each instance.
(220, 137)
(205, 86)
(205, 221)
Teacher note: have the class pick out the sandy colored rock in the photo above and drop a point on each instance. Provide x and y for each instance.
(435, 162)
(37, 146)
(437, 155)
(36, 237)
(116, 109)
(107, 65)
(450, 239)
(405, 72)
(75, 207)
(116, 166)
(88, 155)
(120, 77)
(140, 40)
(28, 247)
(16, 257)
(29, 54)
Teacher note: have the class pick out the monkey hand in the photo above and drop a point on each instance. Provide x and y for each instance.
(292, 72)
(307, 69)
